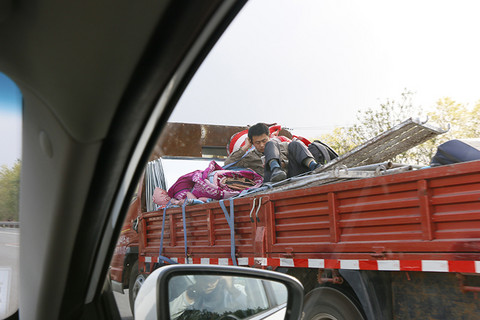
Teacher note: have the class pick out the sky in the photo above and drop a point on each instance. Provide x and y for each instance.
(310, 65)
(10, 121)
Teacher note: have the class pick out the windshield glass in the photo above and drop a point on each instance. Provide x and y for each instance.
(10, 144)
(363, 89)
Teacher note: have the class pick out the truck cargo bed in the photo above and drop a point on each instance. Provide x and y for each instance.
(426, 219)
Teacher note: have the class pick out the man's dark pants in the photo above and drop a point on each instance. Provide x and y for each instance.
(297, 153)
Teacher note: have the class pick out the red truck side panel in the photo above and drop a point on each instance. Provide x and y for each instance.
(425, 220)
(207, 231)
(427, 213)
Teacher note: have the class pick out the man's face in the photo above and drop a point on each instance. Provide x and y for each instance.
(259, 142)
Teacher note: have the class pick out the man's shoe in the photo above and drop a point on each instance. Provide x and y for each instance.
(278, 175)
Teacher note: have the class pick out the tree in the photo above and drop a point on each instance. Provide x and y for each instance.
(9, 191)
(339, 140)
(464, 122)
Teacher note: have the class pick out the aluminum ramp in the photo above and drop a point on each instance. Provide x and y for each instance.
(387, 145)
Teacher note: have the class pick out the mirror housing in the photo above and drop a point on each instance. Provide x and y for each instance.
(153, 298)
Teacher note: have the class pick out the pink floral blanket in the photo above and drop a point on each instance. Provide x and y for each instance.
(212, 183)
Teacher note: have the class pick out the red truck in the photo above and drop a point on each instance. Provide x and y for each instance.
(388, 246)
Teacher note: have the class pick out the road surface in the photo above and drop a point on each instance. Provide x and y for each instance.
(9, 248)
(123, 305)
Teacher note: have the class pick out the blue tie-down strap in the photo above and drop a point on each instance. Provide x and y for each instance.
(265, 186)
(160, 257)
(166, 260)
(230, 221)
(163, 228)
(225, 167)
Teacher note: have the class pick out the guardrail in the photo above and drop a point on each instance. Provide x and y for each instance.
(9, 224)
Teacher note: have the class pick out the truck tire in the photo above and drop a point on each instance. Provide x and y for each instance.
(330, 304)
(135, 283)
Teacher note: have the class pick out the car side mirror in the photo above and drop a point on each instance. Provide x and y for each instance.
(180, 292)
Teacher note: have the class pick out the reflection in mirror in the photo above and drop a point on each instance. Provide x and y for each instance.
(224, 297)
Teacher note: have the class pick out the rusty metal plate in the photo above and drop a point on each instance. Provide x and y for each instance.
(197, 140)
(191, 140)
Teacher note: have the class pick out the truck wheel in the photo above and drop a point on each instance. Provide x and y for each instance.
(330, 304)
(134, 285)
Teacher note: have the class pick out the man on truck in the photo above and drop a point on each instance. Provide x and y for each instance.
(281, 159)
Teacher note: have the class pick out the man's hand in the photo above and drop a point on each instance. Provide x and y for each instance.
(248, 144)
